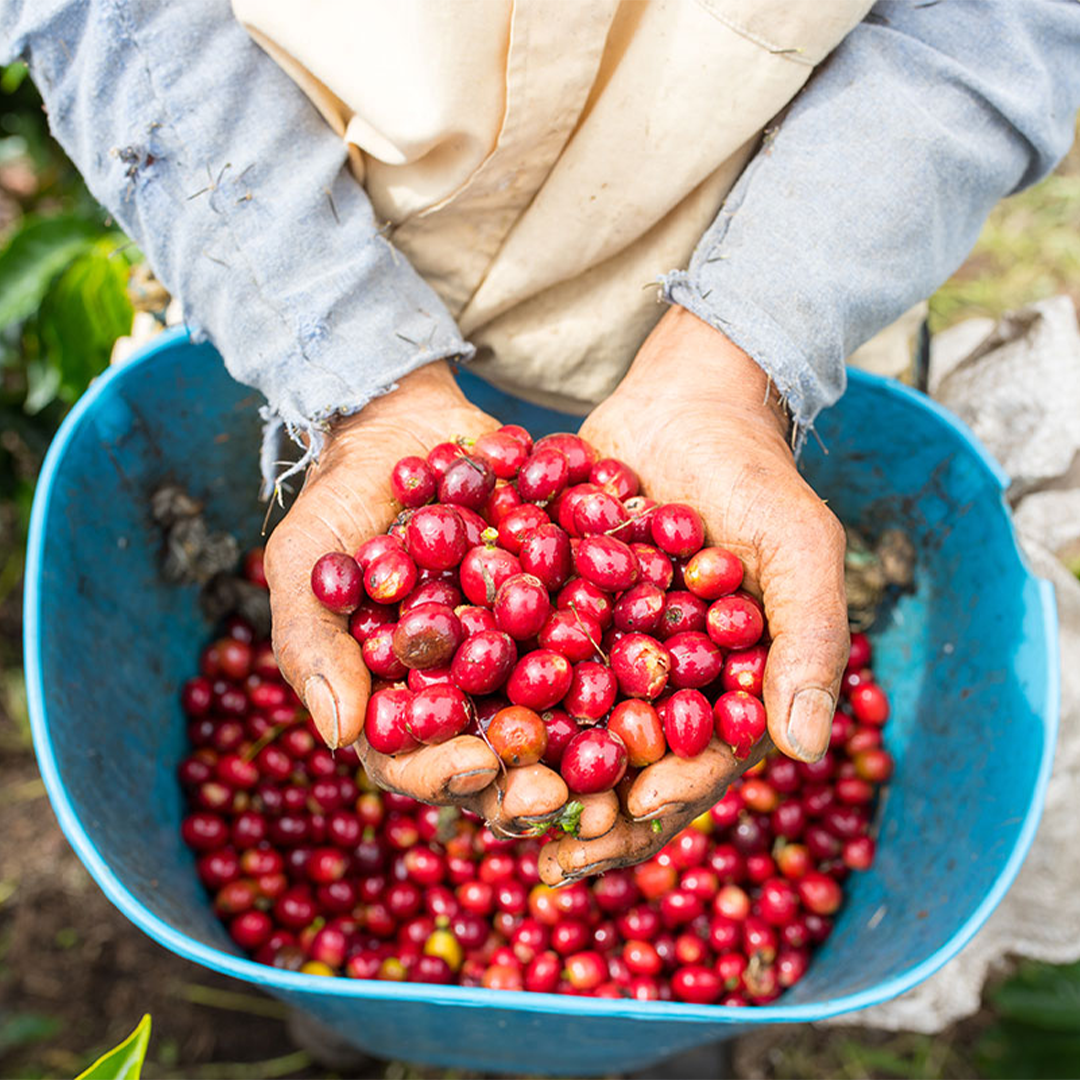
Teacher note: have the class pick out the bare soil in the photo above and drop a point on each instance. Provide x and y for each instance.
(69, 957)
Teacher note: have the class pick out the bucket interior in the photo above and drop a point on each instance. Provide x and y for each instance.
(966, 659)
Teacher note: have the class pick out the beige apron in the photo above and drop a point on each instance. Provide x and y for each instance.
(540, 162)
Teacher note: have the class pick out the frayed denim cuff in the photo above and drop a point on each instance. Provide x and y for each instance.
(334, 364)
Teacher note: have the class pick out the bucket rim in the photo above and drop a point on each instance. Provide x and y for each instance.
(296, 984)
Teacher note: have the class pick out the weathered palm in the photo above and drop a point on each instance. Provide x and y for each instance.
(345, 500)
(694, 420)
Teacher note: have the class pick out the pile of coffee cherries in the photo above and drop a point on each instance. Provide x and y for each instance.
(544, 604)
(312, 869)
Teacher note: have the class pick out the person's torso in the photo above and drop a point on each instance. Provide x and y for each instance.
(541, 162)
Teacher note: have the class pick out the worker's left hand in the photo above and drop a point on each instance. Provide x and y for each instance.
(698, 421)
(345, 500)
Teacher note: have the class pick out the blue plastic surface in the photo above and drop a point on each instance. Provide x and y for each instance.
(970, 661)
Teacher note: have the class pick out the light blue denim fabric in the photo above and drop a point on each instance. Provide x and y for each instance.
(219, 167)
(864, 197)
(871, 190)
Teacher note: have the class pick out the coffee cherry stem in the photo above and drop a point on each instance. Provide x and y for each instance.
(629, 522)
(474, 717)
(585, 630)
(489, 584)
(263, 741)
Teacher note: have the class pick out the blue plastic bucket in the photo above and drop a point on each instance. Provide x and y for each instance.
(970, 661)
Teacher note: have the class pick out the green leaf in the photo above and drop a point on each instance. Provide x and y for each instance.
(125, 1061)
(1037, 1033)
(12, 76)
(36, 252)
(42, 386)
(83, 313)
(1045, 996)
(570, 818)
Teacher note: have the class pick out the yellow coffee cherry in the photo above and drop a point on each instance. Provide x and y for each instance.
(393, 970)
(442, 943)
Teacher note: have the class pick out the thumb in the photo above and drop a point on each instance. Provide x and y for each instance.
(803, 589)
(317, 655)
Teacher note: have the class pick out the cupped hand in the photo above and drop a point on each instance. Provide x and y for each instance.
(346, 499)
(699, 422)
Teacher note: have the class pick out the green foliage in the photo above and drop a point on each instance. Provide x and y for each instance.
(1037, 1032)
(83, 313)
(65, 281)
(63, 301)
(1043, 995)
(63, 267)
(125, 1061)
(12, 77)
(23, 1028)
(35, 255)
(24, 133)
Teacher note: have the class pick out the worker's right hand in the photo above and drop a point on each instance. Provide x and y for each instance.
(345, 500)
(698, 421)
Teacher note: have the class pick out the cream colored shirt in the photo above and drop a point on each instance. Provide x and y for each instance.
(541, 162)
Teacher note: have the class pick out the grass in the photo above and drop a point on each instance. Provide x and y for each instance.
(905, 1056)
(1029, 1027)
(285, 1065)
(233, 1001)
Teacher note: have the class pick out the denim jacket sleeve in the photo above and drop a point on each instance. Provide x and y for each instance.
(218, 166)
(872, 188)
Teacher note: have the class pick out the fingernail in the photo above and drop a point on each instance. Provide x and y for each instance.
(660, 812)
(469, 783)
(321, 703)
(591, 870)
(570, 879)
(516, 829)
(810, 722)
